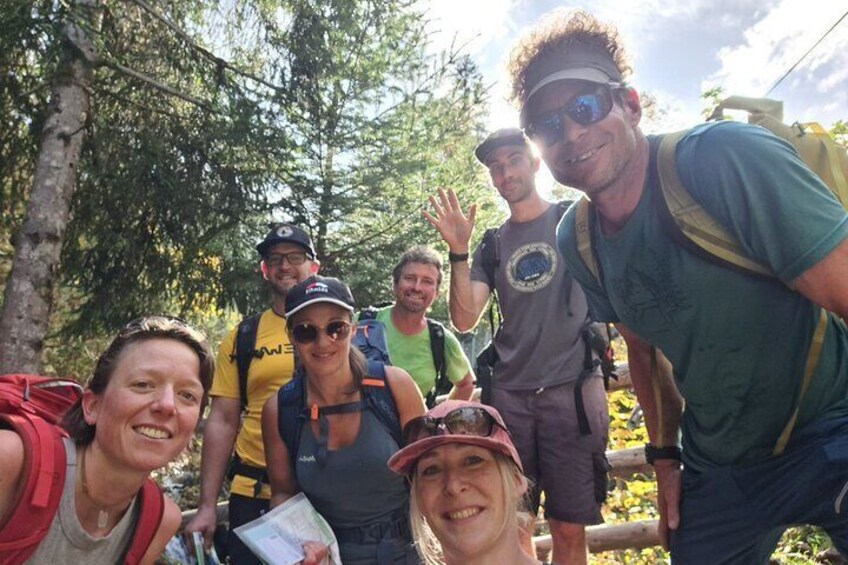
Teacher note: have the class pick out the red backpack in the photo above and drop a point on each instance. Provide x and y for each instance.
(32, 406)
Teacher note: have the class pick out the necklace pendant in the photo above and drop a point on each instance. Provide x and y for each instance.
(102, 519)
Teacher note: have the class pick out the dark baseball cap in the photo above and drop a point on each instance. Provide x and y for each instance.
(317, 289)
(286, 233)
(500, 138)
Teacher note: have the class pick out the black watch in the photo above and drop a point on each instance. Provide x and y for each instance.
(457, 257)
(652, 453)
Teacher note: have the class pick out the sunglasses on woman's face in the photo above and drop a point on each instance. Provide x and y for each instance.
(307, 333)
(467, 421)
(583, 109)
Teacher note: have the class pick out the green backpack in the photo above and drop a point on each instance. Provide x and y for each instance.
(693, 228)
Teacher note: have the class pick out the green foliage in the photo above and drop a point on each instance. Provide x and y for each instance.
(330, 114)
(711, 97)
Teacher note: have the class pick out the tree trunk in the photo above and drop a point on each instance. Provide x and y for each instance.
(28, 297)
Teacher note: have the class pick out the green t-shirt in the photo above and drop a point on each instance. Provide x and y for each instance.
(738, 343)
(412, 353)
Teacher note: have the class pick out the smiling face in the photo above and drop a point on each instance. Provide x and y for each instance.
(461, 491)
(323, 355)
(283, 276)
(416, 287)
(587, 157)
(513, 170)
(149, 409)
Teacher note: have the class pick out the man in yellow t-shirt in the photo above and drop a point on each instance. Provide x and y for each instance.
(288, 257)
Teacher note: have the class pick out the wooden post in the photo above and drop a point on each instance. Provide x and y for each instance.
(608, 537)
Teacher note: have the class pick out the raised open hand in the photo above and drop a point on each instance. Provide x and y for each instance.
(454, 226)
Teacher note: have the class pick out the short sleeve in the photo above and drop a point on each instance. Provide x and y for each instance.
(757, 186)
(478, 273)
(225, 382)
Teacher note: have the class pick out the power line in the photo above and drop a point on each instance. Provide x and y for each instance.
(804, 56)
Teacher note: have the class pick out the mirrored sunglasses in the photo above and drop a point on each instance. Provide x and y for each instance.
(307, 333)
(583, 109)
(468, 421)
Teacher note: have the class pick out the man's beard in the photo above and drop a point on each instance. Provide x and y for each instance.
(416, 307)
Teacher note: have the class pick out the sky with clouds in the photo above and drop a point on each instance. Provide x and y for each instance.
(678, 49)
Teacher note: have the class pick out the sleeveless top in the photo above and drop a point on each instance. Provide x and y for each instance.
(364, 502)
(67, 543)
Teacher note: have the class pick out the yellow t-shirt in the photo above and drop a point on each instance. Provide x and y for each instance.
(269, 370)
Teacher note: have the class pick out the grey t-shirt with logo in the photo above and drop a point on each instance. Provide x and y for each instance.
(539, 344)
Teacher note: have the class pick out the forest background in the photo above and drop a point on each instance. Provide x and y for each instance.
(146, 147)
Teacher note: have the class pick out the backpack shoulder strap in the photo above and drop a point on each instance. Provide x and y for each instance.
(689, 220)
(291, 415)
(378, 395)
(437, 345)
(44, 467)
(490, 255)
(437, 349)
(583, 235)
(244, 352)
(150, 511)
(369, 313)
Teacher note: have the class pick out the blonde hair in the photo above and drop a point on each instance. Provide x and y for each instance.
(557, 32)
(430, 548)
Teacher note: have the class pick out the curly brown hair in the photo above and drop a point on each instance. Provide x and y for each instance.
(554, 35)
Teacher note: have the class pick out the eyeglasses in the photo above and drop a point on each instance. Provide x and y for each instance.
(583, 109)
(294, 258)
(307, 333)
(466, 421)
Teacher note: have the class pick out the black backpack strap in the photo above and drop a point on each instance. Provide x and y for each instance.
(369, 313)
(437, 349)
(244, 350)
(291, 414)
(378, 395)
(490, 255)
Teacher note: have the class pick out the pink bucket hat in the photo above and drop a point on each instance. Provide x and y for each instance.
(403, 461)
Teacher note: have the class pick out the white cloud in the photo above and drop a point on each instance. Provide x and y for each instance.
(771, 46)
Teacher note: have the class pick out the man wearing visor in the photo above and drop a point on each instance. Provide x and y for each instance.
(761, 364)
(552, 401)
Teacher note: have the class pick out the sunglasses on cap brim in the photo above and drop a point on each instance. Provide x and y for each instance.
(583, 109)
(467, 421)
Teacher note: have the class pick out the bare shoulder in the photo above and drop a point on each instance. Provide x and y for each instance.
(11, 452)
(408, 397)
(11, 468)
(399, 380)
(171, 519)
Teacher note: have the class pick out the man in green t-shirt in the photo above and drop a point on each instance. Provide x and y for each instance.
(415, 282)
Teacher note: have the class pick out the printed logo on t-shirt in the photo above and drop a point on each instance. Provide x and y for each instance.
(306, 459)
(283, 348)
(531, 267)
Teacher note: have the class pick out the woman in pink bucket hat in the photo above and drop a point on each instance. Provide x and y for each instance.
(467, 486)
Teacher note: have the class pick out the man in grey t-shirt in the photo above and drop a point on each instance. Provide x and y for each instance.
(540, 351)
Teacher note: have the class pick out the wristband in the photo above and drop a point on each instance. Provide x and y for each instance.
(652, 453)
(457, 257)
